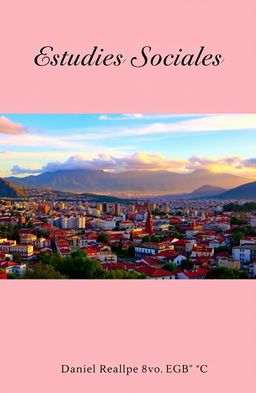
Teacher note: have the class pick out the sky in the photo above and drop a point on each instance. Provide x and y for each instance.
(36, 143)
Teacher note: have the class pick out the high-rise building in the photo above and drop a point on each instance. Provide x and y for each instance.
(166, 208)
(149, 223)
(117, 209)
(152, 206)
(99, 207)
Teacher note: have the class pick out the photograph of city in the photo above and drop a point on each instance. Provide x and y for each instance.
(128, 196)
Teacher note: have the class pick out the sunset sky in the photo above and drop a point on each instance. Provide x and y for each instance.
(31, 144)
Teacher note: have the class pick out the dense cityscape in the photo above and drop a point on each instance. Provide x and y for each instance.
(128, 196)
(76, 238)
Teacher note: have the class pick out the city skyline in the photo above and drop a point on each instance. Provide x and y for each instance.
(35, 143)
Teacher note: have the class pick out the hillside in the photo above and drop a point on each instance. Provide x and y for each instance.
(206, 191)
(9, 190)
(246, 192)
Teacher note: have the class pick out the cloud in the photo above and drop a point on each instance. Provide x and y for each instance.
(17, 170)
(147, 161)
(127, 116)
(145, 116)
(209, 123)
(249, 163)
(82, 139)
(136, 161)
(9, 127)
(196, 161)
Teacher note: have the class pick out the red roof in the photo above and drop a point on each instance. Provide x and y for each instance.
(152, 261)
(153, 271)
(202, 249)
(91, 250)
(196, 272)
(168, 254)
(6, 264)
(222, 254)
(116, 266)
(65, 250)
(181, 242)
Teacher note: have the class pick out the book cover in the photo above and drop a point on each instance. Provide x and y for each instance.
(127, 196)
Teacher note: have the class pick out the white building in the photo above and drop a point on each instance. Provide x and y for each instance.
(104, 224)
(106, 257)
(76, 222)
(19, 269)
(151, 249)
(244, 253)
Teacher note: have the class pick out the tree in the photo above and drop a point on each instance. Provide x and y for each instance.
(238, 221)
(155, 239)
(102, 238)
(30, 224)
(43, 271)
(237, 236)
(170, 267)
(123, 275)
(225, 273)
(149, 239)
(120, 246)
(17, 257)
(223, 249)
(13, 276)
(78, 266)
(131, 251)
(175, 234)
(15, 235)
(246, 207)
(186, 264)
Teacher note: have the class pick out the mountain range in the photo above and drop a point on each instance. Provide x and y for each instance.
(130, 183)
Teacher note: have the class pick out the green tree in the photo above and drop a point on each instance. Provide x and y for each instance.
(238, 221)
(17, 257)
(43, 271)
(223, 249)
(237, 236)
(102, 238)
(78, 266)
(186, 264)
(145, 239)
(120, 246)
(124, 275)
(13, 276)
(30, 224)
(170, 267)
(131, 251)
(155, 239)
(150, 239)
(225, 273)
(175, 234)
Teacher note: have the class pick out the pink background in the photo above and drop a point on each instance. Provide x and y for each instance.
(222, 26)
(46, 323)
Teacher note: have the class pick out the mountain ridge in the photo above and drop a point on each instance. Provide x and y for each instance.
(130, 182)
